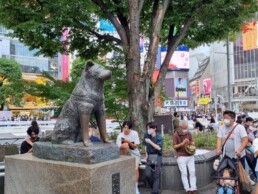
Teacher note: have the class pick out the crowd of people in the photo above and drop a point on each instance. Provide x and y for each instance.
(26, 118)
(237, 139)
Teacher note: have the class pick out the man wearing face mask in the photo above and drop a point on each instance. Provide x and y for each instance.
(184, 160)
(153, 146)
(237, 140)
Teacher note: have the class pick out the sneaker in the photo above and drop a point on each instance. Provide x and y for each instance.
(137, 191)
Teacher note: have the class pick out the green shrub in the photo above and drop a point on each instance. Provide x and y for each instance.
(202, 140)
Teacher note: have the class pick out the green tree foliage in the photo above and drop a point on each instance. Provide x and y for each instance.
(116, 98)
(40, 24)
(57, 91)
(11, 83)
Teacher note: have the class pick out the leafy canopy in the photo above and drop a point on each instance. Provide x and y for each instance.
(11, 83)
(40, 23)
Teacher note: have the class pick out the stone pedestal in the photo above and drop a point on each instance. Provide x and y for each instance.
(76, 152)
(27, 174)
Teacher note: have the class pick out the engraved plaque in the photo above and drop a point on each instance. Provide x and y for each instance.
(116, 183)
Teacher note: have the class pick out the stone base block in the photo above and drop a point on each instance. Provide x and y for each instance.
(76, 152)
(27, 174)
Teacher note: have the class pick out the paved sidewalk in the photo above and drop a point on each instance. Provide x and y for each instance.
(209, 189)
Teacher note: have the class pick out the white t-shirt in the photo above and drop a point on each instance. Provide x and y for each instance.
(255, 146)
(133, 137)
(234, 141)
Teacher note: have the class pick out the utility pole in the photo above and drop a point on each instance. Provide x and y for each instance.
(228, 69)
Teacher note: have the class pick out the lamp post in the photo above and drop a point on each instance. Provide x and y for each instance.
(178, 99)
(228, 71)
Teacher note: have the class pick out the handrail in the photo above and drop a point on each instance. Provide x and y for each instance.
(27, 123)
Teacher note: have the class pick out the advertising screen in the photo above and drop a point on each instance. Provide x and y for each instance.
(207, 86)
(249, 33)
(179, 59)
(181, 87)
(106, 25)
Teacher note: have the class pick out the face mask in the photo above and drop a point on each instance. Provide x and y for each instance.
(150, 131)
(226, 122)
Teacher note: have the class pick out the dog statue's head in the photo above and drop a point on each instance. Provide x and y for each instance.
(97, 71)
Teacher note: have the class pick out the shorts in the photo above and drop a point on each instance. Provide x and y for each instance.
(137, 158)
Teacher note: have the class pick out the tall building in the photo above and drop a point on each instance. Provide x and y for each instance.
(245, 87)
(240, 83)
(31, 65)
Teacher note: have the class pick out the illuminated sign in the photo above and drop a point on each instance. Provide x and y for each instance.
(179, 59)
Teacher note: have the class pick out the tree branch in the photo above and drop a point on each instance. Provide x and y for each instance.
(106, 37)
(114, 21)
(159, 11)
(140, 6)
(123, 20)
(134, 30)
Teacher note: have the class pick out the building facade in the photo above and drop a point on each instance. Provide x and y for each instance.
(31, 65)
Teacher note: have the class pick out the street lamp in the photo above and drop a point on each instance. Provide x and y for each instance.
(222, 104)
(228, 72)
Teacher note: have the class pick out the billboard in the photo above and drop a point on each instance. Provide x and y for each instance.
(179, 59)
(249, 33)
(65, 58)
(203, 101)
(180, 87)
(106, 25)
(207, 86)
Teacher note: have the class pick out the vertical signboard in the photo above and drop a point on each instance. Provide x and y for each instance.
(249, 33)
(197, 86)
(181, 87)
(207, 86)
(65, 58)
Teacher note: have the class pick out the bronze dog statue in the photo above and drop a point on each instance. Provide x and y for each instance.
(87, 98)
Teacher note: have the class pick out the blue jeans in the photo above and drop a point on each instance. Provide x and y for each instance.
(227, 189)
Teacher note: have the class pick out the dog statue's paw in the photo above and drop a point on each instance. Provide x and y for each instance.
(87, 143)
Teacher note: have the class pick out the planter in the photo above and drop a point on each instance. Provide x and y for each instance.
(171, 177)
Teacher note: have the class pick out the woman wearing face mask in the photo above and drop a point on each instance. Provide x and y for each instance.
(153, 149)
(236, 138)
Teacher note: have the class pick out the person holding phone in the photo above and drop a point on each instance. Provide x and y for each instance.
(128, 141)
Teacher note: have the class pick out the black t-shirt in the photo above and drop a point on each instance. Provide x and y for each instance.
(25, 146)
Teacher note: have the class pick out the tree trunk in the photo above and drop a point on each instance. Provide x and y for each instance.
(136, 95)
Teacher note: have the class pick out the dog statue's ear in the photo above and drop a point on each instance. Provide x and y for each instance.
(89, 64)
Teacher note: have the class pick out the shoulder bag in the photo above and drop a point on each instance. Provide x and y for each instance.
(216, 162)
(190, 149)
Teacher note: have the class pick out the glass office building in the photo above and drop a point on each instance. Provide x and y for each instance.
(245, 88)
(30, 63)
